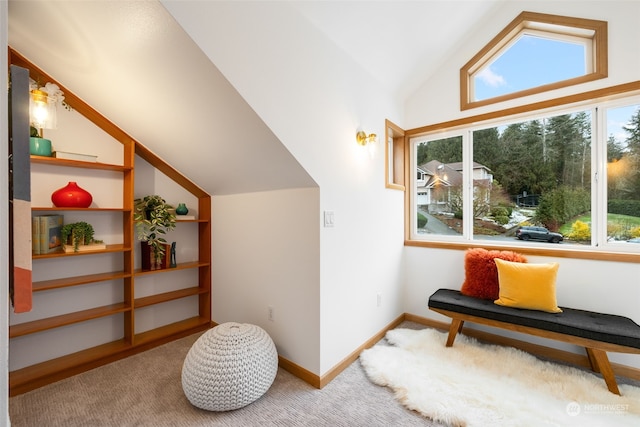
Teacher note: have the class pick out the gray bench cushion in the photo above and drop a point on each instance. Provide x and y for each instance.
(580, 323)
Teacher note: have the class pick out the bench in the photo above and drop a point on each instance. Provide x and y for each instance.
(596, 332)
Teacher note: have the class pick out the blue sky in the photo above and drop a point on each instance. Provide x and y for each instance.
(530, 62)
(533, 61)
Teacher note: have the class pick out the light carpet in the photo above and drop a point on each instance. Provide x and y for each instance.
(475, 384)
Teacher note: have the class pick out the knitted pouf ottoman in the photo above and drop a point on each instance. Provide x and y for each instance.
(229, 367)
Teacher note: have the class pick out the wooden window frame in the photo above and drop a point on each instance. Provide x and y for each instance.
(593, 96)
(394, 157)
(550, 24)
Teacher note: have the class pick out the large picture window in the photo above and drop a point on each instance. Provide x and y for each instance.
(536, 180)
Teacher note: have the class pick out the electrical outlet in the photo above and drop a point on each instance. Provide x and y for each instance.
(270, 313)
(379, 300)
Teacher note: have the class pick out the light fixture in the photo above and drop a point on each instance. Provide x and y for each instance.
(39, 109)
(364, 139)
(42, 106)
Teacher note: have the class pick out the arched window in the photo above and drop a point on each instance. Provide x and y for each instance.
(535, 53)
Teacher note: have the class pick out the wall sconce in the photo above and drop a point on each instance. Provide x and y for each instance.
(42, 106)
(364, 139)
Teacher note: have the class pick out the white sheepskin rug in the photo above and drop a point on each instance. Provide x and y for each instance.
(474, 384)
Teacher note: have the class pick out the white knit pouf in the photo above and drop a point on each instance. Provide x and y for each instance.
(229, 367)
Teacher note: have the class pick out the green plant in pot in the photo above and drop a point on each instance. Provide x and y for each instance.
(78, 233)
(154, 217)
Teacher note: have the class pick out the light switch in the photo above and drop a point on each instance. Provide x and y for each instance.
(329, 218)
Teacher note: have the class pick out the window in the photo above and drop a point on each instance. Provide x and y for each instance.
(438, 186)
(535, 53)
(623, 173)
(394, 157)
(484, 180)
(533, 172)
(532, 61)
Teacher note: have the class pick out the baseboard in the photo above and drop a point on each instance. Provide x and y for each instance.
(319, 382)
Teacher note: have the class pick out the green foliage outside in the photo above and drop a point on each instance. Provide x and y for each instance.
(422, 220)
(623, 227)
(619, 227)
(561, 205)
(624, 207)
(501, 214)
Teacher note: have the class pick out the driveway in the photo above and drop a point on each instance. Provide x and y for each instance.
(435, 226)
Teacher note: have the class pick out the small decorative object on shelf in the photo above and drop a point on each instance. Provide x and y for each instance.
(154, 217)
(182, 209)
(149, 259)
(71, 196)
(173, 264)
(39, 146)
(78, 237)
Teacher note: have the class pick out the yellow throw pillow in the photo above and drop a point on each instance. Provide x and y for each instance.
(530, 286)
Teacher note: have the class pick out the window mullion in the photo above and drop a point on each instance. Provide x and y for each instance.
(467, 189)
(599, 181)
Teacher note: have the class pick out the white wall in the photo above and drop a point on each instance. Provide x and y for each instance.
(322, 98)
(444, 86)
(610, 287)
(4, 224)
(266, 250)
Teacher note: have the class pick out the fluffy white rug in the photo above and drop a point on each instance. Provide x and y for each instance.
(474, 384)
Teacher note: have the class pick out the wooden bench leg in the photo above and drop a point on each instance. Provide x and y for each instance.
(600, 363)
(456, 326)
(592, 361)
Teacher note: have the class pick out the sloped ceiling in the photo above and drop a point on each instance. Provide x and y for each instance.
(132, 62)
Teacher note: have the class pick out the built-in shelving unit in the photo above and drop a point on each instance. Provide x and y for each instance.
(39, 374)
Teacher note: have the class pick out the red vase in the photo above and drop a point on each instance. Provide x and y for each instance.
(71, 196)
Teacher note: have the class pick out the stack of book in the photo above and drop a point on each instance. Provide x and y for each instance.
(46, 233)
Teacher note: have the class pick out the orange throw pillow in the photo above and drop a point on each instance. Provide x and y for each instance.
(481, 273)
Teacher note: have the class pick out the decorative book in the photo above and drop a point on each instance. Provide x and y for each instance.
(50, 233)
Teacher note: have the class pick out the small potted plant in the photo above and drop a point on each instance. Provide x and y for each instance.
(79, 234)
(154, 217)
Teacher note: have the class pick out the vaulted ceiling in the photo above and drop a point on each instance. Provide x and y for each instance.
(132, 61)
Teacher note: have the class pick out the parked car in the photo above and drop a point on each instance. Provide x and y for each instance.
(538, 233)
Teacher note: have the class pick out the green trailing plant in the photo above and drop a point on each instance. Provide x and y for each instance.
(154, 217)
(78, 233)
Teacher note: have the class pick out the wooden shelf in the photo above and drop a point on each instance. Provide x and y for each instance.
(32, 377)
(37, 375)
(35, 326)
(78, 164)
(168, 296)
(53, 208)
(179, 266)
(182, 328)
(60, 253)
(46, 285)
